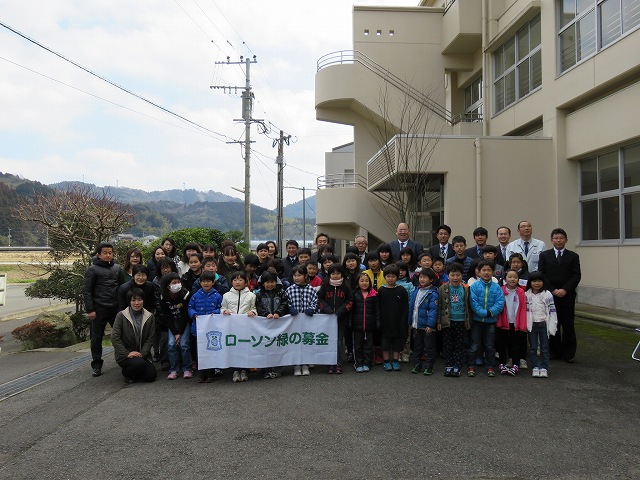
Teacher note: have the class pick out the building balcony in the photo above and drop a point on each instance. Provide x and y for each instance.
(462, 27)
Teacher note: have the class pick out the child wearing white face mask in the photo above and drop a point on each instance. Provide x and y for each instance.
(174, 300)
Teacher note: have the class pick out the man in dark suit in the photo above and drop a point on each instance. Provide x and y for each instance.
(562, 269)
(361, 244)
(443, 248)
(402, 241)
(480, 236)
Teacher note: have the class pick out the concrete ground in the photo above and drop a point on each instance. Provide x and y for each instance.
(581, 423)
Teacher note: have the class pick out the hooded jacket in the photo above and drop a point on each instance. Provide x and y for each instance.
(123, 337)
(100, 287)
(427, 308)
(272, 301)
(365, 315)
(335, 299)
(239, 301)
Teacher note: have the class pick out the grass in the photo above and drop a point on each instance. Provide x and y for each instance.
(22, 273)
(605, 340)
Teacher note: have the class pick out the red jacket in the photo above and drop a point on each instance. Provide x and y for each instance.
(521, 313)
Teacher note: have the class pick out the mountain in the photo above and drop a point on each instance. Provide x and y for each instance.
(133, 195)
(295, 210)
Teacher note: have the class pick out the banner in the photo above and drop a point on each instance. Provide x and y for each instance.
(240, 341)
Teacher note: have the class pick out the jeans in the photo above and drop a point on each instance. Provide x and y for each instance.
(483, 334)
(538, 337)
(185, 350)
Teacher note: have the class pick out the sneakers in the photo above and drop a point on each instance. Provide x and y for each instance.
(338, 369)
(503, 369)
(360, 369)
(386, 366)
(243, 376)
(490, 372)
(456, 371)
(331, 370)
(513, 371)
(523, 364)
(544, 373)
(305, 370)
(535, 372)
(396, 366)
(236, 376)
(428, 371)
(448, 372)
(187, 374)
(416, 369)
(271, 375)
(96, 372)
(471, 372)
(217, 372)
(297, 370)
(366, 368)
(172, 375)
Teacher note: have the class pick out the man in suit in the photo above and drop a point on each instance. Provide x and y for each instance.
(504, 237)
(443, 248)
(402, 241)
(291, 260)
(562, 269)
(361, 244)
(530, 248)
(480, 236)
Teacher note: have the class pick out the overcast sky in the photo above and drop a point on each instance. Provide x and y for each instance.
(59, 122)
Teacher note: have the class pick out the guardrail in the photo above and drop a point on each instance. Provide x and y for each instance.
(342, 180)
(354, 56)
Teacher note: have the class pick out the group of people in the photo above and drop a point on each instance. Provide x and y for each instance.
(399, 303)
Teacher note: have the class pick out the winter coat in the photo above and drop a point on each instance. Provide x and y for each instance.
(393, 304)
(123, 337)
(427, 308)
(175, 311)
(487, 301)
(100, 287)
(149, 290)
(444, 306)
(365, 316)
(220, 284)
(336, 300)
(521, 314)
(203, 303)
(189, 279)
(552, 317)
(272, 302)
(239, 301)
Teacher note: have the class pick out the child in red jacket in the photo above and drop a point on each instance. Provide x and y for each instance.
(512, 325)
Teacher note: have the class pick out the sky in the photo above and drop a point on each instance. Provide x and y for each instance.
(60, 122)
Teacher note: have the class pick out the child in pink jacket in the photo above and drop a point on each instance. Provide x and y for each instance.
(512, 325)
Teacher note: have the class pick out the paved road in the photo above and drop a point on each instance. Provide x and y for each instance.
(16, 302)
(581, 423)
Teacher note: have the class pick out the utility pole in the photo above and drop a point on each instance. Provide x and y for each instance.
(280, 209)
(247, 108)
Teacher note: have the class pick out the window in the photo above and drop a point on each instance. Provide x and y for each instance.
(473, 101)
(517, 66)
(586, 26)
(610, 195)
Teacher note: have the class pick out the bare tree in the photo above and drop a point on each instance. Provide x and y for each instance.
(404, 163)
(76, 219)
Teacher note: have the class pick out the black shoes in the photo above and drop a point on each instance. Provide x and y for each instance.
(96, 372)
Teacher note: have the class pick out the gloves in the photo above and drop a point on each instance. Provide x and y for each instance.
(308, 312)
(489, 314)
(293, 311)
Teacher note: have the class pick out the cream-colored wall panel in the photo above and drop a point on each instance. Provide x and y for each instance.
(601, 267)
(619, 59)
(608, 121)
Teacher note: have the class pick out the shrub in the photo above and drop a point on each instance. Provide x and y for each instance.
(81, 325)
(49, 330)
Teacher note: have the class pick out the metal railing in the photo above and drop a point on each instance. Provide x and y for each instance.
(355, 57)
(342, 180)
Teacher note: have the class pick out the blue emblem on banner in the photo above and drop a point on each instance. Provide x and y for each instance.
(214, 341)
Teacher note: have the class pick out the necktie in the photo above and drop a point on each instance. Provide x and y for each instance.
(526, 248)
(559, 257)
(443, 251)
(504, 253)
(403, 244)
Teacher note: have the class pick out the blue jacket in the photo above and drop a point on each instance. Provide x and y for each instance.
(485, 298)
(427, 308)
(203, 303)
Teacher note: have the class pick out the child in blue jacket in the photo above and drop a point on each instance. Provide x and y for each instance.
(487, 302)
(205, 301)
(423, 318)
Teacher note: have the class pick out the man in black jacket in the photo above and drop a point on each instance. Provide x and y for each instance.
(562, 269)
(100, 294)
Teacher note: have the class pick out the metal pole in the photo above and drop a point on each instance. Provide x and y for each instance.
(247, 156)
(304, 219)
(280, 212)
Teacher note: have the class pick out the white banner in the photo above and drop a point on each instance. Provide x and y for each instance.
(240, 341)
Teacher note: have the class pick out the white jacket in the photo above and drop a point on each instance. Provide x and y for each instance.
(239, 301)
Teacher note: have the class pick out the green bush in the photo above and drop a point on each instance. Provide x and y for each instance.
(49, 330)
(81, 325)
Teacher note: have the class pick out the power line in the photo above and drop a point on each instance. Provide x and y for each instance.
(119, 87)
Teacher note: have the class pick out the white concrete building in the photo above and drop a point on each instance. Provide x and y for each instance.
(532, 114)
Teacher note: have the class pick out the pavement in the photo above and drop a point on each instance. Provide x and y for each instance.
(581, 423)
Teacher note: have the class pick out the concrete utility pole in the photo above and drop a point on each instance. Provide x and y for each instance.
(247, 109)
(280, 211)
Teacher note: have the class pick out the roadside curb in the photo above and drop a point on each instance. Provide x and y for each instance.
(611, 320)
(34, 311)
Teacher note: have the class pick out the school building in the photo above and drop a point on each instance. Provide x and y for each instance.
(498, 111)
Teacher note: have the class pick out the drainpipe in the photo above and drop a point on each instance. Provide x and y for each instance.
(485, 67)
(478, 182)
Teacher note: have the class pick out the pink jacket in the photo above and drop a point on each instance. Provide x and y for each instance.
(521, 313)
